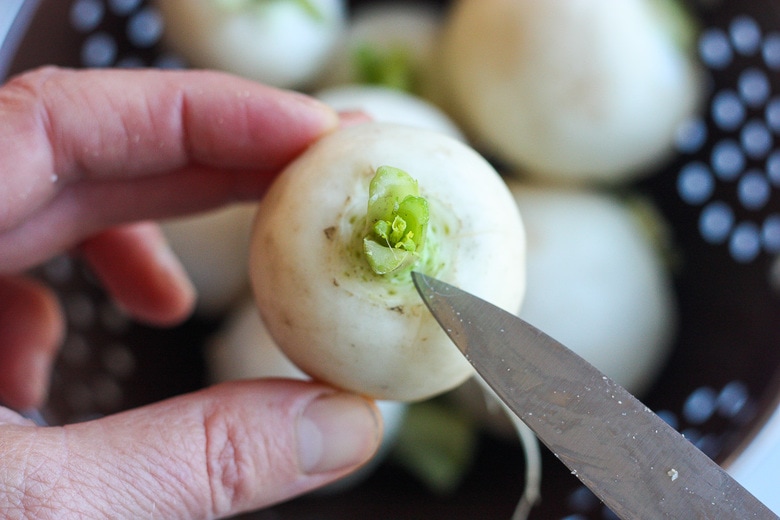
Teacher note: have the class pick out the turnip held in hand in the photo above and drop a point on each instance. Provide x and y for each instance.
(354, 319)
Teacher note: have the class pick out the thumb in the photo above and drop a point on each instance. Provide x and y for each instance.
(218, 452)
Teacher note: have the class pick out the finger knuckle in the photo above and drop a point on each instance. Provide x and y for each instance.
(230, 467)
(27, 89)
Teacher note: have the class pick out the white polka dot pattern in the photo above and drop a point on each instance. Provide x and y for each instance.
(104, 46)
(737, 136)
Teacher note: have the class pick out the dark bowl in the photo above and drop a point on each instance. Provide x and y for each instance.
(719, 387)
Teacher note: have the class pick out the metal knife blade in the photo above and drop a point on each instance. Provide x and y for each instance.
(637, 464)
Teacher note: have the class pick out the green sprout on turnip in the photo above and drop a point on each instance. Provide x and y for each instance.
(396, 222)
(391, 67)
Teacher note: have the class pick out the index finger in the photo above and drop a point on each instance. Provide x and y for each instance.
(61, 126)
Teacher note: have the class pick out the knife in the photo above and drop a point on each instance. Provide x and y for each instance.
(638, 465)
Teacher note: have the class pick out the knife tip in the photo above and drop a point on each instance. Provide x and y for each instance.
(419, 280)
(427, 286)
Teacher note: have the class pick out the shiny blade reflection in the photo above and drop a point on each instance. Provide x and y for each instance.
(630, 458)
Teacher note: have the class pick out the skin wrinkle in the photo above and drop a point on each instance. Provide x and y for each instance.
(12, 476)
(180, 493)
(232, 470)
(223, 464)
(187, 129)
(75, 471)
(68, 165)
(49, 481)
(119, 133)
(182, 108)
(78, 164)
(167, 117)
(45, 123)
(110, 485)
(144, 478)
(56, 135)
(115, 143)
(19, 97)
(163, 487)
(40, 474)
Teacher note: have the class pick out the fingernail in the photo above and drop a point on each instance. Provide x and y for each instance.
(40, 373)
(327, 117)
(353, 117)
(337, 431)
(175, 274)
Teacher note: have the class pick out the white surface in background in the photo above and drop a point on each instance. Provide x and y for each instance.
(758, 467)
(8, 12)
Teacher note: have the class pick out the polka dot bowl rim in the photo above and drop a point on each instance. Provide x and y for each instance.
(722, 194)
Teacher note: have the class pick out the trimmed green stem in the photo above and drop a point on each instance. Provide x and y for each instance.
(396, 222)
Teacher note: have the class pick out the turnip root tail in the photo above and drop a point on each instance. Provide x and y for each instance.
(533, 456)
(533, 464)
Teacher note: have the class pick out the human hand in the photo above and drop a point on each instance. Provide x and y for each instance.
(85, 155)
(87, 159)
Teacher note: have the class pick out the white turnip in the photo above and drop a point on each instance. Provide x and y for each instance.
(213, 248)
(318, 249)
(386, 43)
(283, 43)
(388, 105)
(597, 280)
(572, 90)
(242, 348)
